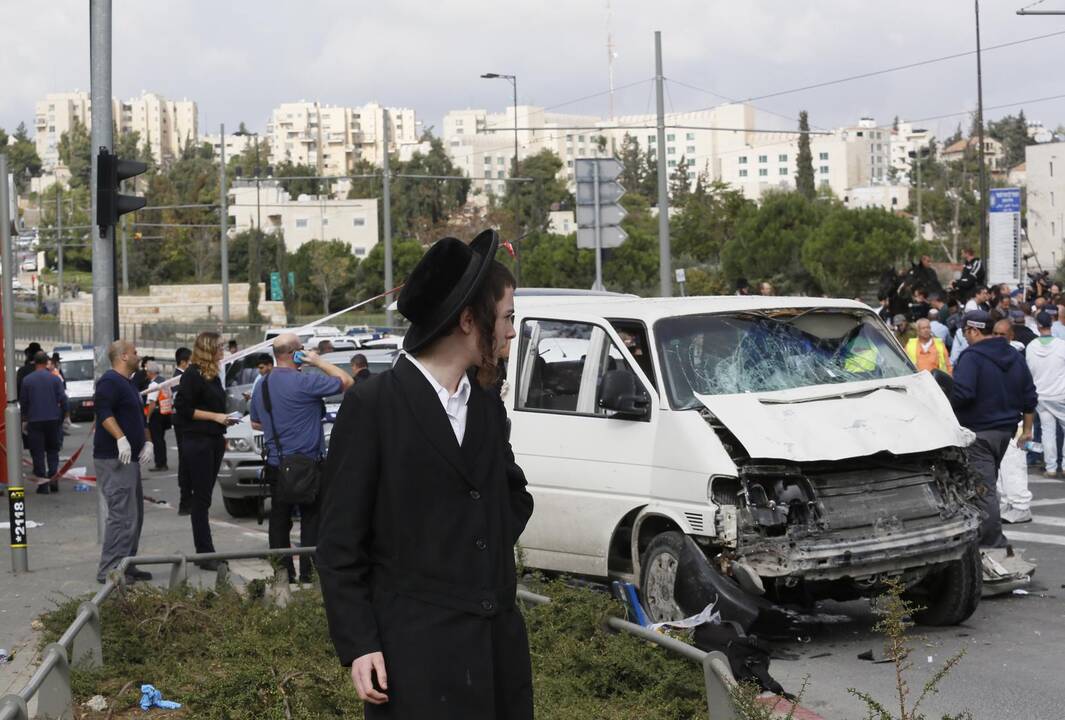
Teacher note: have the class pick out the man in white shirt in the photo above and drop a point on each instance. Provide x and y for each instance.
(1057, 312)
(979, 300)
(1046, 361)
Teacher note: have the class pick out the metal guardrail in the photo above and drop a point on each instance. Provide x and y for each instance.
(82, 642)
(717, 676)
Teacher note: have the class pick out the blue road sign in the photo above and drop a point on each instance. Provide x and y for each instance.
(1005, 200)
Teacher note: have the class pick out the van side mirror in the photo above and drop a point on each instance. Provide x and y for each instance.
(620, 392)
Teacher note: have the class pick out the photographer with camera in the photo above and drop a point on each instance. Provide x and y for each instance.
(972, 275)
(287, 406)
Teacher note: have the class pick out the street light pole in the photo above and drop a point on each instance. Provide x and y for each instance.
(514, 168)
(984, 248)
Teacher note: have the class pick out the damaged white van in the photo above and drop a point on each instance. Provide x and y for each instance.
(756, 450)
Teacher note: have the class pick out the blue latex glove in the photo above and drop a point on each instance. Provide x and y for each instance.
(150, 697)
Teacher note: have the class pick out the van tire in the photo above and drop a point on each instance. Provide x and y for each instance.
(241, 507)
(658, 576)
(949, 596)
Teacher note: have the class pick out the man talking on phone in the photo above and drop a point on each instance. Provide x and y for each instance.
(288, 407)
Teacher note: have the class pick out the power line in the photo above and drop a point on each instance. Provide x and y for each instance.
(897, 68)
(733, 101)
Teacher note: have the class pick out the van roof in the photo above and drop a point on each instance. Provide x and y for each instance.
(65, 355)
(652, 309)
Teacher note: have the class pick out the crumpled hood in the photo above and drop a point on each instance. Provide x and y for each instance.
(833, 422)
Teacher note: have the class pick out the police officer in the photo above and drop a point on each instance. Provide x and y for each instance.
(993, 392)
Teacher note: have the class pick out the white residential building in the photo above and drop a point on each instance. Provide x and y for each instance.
(723, 142)
(904, 140)
(235, 144)
(332, 138)
(849, 157)
(889, 197)
(165, 125)
(305, 218)
(1045, 176)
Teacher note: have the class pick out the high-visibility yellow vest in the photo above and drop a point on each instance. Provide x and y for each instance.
(941, 352)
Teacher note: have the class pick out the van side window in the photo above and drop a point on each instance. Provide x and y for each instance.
(552, 356)
(634, 335)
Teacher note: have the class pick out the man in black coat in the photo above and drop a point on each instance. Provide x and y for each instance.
(423, 504)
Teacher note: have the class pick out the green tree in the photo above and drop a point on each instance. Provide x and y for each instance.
(633, 167)
(297, 187)
(550, 260)
(530, 202)
(1012, 132)
(365, 187)
(22, 159)
(75, 152)
(680, 183)
(804, 171)
(649, 184)
(421, 205)
(707, 222)
(329, 269)
(370, 274)
(769, 240)
(74, 209)
(633, 267)
(850, 248)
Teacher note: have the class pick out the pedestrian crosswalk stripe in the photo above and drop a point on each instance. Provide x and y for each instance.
(1014, 537)
(1048, 501)
(1048, 520)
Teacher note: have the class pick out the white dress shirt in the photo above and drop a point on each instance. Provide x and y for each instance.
(454, 405)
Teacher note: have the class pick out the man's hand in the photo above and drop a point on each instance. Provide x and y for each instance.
(1025, 437)
(310, 357)
(146, 453)
(361, 676)
(125, 452)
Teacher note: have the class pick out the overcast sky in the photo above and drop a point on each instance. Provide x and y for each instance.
(239, 58)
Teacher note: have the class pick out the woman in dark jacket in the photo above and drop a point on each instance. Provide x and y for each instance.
(201, 405)
(424, 504)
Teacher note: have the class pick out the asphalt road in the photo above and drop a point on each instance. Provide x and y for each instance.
(1013, 658)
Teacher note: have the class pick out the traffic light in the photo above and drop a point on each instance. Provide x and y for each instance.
(110, 204)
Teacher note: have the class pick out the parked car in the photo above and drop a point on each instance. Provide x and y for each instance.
(29, 265)
(780, 449)
(239, 476)
(77, 368)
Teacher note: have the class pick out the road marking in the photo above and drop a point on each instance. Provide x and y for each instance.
(1049, 501)
(1048, 520)
(1014, 537)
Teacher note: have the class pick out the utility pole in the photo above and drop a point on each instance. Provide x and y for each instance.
(59, 238)
(386, 202)
(103, 239)
(223, 221)
(16, 493)
(984, 247)
(665, 272)
(125, 259)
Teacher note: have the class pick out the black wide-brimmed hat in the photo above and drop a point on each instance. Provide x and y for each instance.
(441, 284)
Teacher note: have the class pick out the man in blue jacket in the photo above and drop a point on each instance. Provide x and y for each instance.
(43, 403)
(993, 392)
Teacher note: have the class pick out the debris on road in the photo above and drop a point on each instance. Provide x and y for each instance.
(97, 703)
(150, 697)
(1004, 571)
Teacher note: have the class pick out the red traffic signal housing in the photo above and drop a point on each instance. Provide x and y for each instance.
(111, 170)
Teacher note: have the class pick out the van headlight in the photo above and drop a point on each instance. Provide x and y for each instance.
(238, 445)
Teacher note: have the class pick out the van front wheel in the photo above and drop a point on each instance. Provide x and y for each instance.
(658, 577)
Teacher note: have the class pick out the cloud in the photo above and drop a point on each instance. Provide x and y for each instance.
(238, 60)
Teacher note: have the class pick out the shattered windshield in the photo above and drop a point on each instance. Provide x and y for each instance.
(763, 351)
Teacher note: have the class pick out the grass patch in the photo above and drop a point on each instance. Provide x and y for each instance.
(224, 655)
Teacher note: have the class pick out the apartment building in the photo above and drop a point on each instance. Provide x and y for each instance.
(332, 138)
(906, 139)
(234, 144)
(165, 125)
(1045, 177)
(849, 157)
(303, 219)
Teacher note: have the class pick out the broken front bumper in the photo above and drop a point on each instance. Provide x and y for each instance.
(863, 553)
